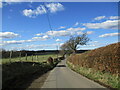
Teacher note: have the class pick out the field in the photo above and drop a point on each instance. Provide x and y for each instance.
(38, 58)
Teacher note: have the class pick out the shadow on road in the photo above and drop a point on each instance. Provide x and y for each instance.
(60, 66)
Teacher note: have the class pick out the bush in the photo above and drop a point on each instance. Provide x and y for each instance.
(105, 59)
(50, 61)
(61, 58)
(56, 60)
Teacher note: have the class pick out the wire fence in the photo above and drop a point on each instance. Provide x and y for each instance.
(24, 57)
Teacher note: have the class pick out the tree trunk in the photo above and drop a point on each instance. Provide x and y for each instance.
(74, 51)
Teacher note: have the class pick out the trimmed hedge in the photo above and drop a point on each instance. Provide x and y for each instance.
(105, 59)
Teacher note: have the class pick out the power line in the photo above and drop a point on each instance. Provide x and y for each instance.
(49, 21)
(50, 26)
(48, 18)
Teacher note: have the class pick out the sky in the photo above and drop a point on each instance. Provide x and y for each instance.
(44, 26)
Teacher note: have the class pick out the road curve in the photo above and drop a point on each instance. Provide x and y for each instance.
(62, 77)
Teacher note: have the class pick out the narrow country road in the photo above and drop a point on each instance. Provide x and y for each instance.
(0, 76)
(62, 77)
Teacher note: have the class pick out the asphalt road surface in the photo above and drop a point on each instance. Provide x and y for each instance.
(62, 77)
(0, 76)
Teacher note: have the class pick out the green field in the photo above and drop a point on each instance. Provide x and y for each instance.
(38, 58)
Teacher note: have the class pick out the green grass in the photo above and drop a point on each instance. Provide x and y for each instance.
(41, 58)
(105, 78)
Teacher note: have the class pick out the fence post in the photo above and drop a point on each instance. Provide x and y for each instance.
(20, 56)
(32, 58)
(26, 56)
(36, 57)
(10, 56)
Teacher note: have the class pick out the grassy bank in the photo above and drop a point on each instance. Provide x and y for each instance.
(15, 74)
(107, 79)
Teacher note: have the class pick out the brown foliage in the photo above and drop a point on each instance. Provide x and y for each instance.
(50, 60)
(105, 59)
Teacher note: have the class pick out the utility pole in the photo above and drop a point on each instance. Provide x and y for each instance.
(57, 49)
(10, 56)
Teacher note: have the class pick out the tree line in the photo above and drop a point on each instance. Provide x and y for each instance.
(22, 53)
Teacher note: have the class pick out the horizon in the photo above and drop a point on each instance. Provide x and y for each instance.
(26, 25)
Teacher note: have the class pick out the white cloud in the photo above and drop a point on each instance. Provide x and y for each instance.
(76, 24)
(39, 34)
(58, 33)
(90, 32)
(54, 7)
(109, 34)
(33, 13)
(58, 40)
(61, 27)
(8, 35)
(15, 42)
(67, 32)
(76, 29)
(36, 47)
(0, 4)
(109, 24)
(92, 44)
(95, 41)
(42, 9)
(13, 0)
(99, 18)
(114, 17)
(43, 38)
(79, 33)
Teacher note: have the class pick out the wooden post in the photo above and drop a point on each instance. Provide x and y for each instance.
(57, 51)
(20, 56)
(26, 56)
(32, 58)
(36, 57)
(10, 56)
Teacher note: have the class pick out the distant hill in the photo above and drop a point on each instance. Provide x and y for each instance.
(105, 59)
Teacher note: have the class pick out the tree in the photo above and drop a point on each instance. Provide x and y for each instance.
(65, 49)
(73, 43)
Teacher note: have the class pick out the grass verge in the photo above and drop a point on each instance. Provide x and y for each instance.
(106, 79)
(16, 74)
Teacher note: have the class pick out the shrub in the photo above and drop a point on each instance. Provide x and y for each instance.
(55, 59)
(61, 58)
(50, 61)
(105, 59)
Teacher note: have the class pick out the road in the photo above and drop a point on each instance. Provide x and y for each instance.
(0, 76)
(62, 77)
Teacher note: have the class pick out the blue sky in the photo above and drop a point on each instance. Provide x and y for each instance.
(25, 25)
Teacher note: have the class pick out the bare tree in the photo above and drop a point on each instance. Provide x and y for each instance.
(74, 42)
(65, 49)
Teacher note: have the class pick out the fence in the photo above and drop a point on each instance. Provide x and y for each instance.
(25, 57)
